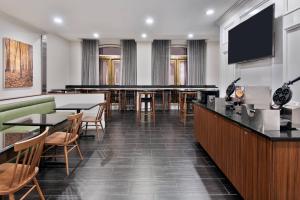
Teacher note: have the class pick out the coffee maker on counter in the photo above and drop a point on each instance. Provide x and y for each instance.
(204, 96)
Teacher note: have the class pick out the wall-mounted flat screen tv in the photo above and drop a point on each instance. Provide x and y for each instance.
(253, 38)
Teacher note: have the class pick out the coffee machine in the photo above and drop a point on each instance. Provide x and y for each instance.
(204, 95)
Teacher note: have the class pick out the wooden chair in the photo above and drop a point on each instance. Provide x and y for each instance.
(15, 176)
(96, 120)
(67, 140)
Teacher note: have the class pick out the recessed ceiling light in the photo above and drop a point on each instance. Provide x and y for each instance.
(96, 35)
(190, 35)
(144, 35)
(58, 20)
(149, 21)
(210, 12)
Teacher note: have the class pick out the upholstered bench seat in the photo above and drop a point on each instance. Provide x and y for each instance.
(20, 109)
(20, 129)
(10, 111)
(9, 135)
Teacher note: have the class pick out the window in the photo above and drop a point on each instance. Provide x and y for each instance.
(178, 66)
(110, 65)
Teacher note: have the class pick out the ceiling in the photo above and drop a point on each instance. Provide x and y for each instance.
(120, 19)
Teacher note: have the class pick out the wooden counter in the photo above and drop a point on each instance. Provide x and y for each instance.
(258, 167)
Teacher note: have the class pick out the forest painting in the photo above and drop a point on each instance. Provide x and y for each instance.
(18, 64)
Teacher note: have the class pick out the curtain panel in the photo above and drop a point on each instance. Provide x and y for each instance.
(196, 62)
(129, 62)
(90, 62)
(160, 62)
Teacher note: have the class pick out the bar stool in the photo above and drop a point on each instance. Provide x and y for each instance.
(173, 97)
(115, 98)
(130, 99)
(146, 97)
(161, 99)
(185, 101)
(108, 104)
(121, 100)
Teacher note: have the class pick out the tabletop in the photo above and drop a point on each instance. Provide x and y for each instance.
(77, 106)
(9, 139)
(36, 121)
(51, 119)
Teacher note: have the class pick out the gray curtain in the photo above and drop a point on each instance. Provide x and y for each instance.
(160, 62)
(90, 62)
(196, 62)
(129, 62)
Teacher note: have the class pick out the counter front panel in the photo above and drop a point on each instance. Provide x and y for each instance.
(259, 167)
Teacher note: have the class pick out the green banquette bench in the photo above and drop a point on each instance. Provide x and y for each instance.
(19, 109)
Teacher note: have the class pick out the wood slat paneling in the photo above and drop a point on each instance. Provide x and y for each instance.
(286, 170)
(260, 169)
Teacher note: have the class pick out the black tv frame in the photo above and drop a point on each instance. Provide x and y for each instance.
(273, 40)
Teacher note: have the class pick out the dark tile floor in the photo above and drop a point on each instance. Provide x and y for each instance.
(139, 161)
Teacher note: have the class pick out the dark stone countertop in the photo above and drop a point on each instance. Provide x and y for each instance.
(276, 135)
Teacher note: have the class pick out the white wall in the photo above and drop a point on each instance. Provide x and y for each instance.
(265, 72)
(291, 45)
(58, 57)
(144, 63)
(61, 99)
(292, 5)
(212, 63)
(75, 63)
(58, 62)
(15, 30)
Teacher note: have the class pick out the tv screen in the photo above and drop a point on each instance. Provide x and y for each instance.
(253, 38)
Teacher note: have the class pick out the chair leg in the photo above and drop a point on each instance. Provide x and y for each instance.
(140, 108)
(38, 188)
(11, 196)
(102, 127)
(185, 110)
(55, 152)
(66, 159)
(153, 107)
(97, 131)
(79, 151)
(86, 127)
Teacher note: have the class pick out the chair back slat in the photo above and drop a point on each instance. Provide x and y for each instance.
(28, 157)
(24, 165)
(102, 107)
(15, 169)
(75, 124)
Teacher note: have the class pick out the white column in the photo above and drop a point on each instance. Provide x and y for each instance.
(144, 63)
